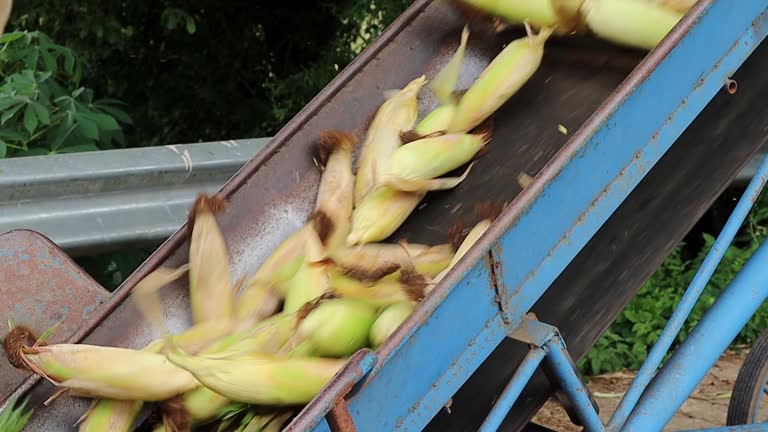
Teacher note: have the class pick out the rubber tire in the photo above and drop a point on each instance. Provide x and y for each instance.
(749, 384)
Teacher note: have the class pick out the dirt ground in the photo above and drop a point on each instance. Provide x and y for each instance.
(707, 407)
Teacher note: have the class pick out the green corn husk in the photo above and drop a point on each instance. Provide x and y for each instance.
(268, 423)
(259, 378)
(388, 321)
(444, 83)
(108, 372)
(501, 79)
(634, 23)
(258, 301)
(415, 166)
(338, 327)
(309, 283)
(397, 114)
(15, 416)
(436, 121)
(335, 195)
(381, 214)
(211, 294)
(109, 415)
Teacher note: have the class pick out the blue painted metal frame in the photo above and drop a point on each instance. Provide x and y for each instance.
(470, 312)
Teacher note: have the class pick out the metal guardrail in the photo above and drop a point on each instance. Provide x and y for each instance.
(98, 201)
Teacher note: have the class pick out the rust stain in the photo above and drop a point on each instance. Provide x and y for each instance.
(339, 419)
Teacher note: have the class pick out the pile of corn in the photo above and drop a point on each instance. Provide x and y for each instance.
(263, 346)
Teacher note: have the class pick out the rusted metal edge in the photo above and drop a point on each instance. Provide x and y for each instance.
(356, 368)
(243, 174)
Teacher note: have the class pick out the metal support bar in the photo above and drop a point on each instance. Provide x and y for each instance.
(546, 346)
(97, 201)
(689, 299)
(679, 377)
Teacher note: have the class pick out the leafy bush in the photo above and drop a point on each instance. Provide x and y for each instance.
(44, 108)
(627, 342)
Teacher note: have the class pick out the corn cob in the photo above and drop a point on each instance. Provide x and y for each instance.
(415, 166)
(561, 15)
(338, 327)
(260, 378)
(435, 122)
(381, 213)
(210, 279)
(388, 321)
(309, 282)
(335, 194)
(397, 114)
(128, 375)
(501, 79)
(633, 23)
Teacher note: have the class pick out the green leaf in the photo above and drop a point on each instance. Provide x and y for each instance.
(87, 127)
(3, 149)
(30, 119)
(79, 148)
(15, 417)
(48, 61)
(118, 114)
(69, 62)
(7, 102)
(35, 152)
(10, 37)
(104, 121)
(11, 134)
(191, 27)
(42, 113)
(9, 113)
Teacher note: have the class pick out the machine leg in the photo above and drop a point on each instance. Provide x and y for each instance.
(700, 350)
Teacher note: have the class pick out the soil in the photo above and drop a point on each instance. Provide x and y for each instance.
(707, 407)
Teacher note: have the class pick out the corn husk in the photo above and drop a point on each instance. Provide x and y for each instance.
(309, 282)
(335, 195)
(444, 83)
(5, 12)
(211, 293)
(338, 327)
(384, 292)
(499, 81)
(109, 415)
(109, 372)
(682, 6)
(260, 378)
(397, 114)
(259, 300)
(388, 321)
(436, 121)
(634, 23)
(381, 214)
(561, 15)
(373, 261)
(268, 423)
(415, 166)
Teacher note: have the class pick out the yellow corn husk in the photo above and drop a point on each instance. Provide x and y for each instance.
(682, 6)
(388, 321)
(268, 423)
(374, 261)
(436, 121)
(259, 300)
(477, 231)
(397, 114)
(145, 294)
(335, 195)
(285, 261)
(260, 378)
(381, 214)
(338, 327)
(109, 372)
(633, 23)
(380, 293)
(444, 82)
(109, 415)
(562, 15)
(211, 294)
(415, 166)
(501, 79)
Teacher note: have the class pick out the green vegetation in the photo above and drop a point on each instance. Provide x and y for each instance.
(627, 342)
(15, 416)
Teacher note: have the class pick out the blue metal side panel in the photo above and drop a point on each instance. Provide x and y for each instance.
(459, 324)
